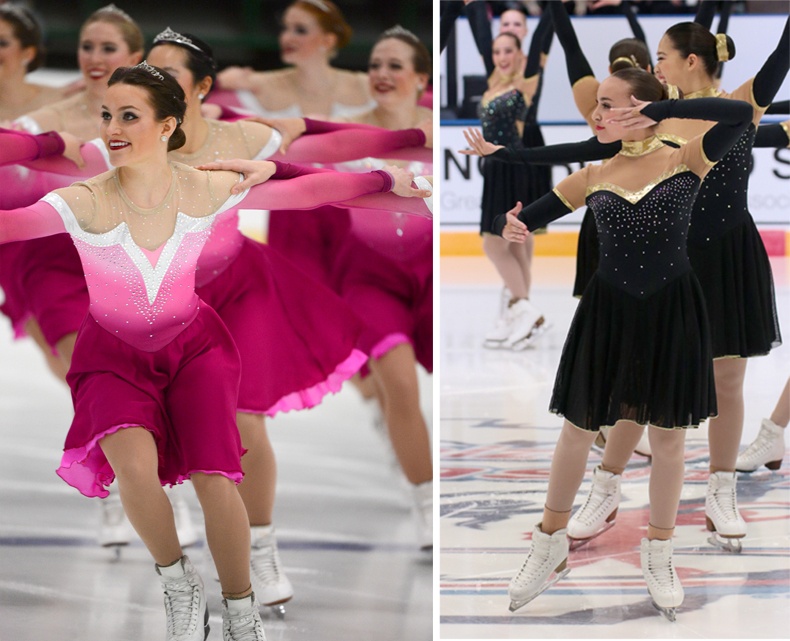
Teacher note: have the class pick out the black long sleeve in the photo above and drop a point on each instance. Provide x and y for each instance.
(540, 213)
(732, 117)
(576, 62)
(779, 107)
(773, 136)
(585, 151)
(770, 78)
(629, 10)
(724, 22)
(543, 32)
(477, 14)
(706, 10)
(449, 12)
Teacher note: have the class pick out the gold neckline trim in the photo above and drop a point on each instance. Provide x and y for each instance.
(634, 197)
(634, 148)
(707, 92)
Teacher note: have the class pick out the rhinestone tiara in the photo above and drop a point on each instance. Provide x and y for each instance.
(319, 4)
(18, 13)
(111, 8)
(168, 35)
(152, 70)
(397, 30)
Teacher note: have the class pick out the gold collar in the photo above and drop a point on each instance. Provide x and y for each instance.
(707, 92)
(634, 148)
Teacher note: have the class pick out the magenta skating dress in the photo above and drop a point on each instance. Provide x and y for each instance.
(150, 353)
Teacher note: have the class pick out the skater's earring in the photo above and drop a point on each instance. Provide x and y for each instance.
(201, 96)
(163, 138)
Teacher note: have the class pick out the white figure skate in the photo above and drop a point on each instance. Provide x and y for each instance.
(272, 588)
(767, 449)
(496, 337)
(546, 563)
(115, 531)
(422, 512)
(662, 580)
(642, 448)
(721, 512)
(185, 601)
(526, 319)
(241, 620)
(598, 513)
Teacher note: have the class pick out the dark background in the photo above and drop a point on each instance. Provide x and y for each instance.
(240, 31)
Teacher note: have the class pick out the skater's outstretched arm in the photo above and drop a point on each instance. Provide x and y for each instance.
(775, 136)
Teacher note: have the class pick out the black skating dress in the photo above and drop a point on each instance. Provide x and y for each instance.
(639, 345)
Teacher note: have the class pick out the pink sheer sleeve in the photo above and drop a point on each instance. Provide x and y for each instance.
(327, 145)
(391, 202)
(38, 220)
(95, 163)
(20, 146)
(307, 190)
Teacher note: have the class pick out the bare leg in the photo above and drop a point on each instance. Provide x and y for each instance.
(396, 374)
(568, 465)
(523, 254)
(781, 414)
(54, 362)
(132, 455)
(620, 444)
(257, 490)
(506, 264)
(724, 432)
(65, 348)
(666, 479)
(227, 531)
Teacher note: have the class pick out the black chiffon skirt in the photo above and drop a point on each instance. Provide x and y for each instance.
(586, 253)
(644, 360)
(735, 275)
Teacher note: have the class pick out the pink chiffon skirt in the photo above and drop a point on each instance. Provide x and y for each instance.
(394, 297)
(184, 394)
(297, 339)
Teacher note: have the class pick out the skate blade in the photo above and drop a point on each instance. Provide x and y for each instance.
(532, 339)
(515, 605)
(669, 613)
(575, 544)
(728, 544)
(494, 345)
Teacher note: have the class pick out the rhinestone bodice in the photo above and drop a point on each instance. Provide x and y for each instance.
(642, 235)
(722, 203)
(498, 117)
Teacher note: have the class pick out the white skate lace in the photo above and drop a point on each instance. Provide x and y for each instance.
(593, 508)
(265, 564)
(725, 502)
(661, 571)
(533, 565)
(182, 602)
(243, 627)
(761, 446)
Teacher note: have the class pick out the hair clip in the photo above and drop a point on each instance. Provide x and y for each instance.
(722, 52)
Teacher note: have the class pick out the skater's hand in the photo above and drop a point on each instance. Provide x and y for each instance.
(479, 145)
(255, 171)
(515, 231)
(290, 128)
(403, 183)
(72, 148)
(631, 117)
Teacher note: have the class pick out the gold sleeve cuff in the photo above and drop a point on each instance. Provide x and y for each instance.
(786, 126)
(563, 199)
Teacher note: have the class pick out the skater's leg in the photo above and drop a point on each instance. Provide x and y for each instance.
(227, 531)
(666, 478)
(725, 430)
(620, 444)
(257, 490)
(133, 457)
(781, 413)
(497, 250)
(568, 465)
(523, 252)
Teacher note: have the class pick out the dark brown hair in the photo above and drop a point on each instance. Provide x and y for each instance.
(26, 30)
(165, 95)
(512, 35)
(644, 85)
(200, 61)
(633, 50)
(690, 37)
(421, 57)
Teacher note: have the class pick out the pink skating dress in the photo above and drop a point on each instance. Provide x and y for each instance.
(306, 347)
(150, 353)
